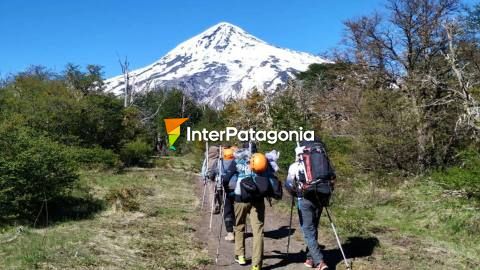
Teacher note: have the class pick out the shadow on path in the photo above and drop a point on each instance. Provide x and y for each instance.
(354, 247)
(279, 233)
(298, 257)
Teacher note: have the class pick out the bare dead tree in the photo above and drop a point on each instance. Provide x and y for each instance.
(126, 80)
(133, 89)
(470, 117)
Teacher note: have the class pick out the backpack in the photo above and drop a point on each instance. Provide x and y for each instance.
(318, 169)
(252, 186)
(245, 187)
(275, 188)
(229, 175)
(213, 157)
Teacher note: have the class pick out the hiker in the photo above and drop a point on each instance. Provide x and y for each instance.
(311, 179)
(210, 171)
(253, 185)
(229, 179)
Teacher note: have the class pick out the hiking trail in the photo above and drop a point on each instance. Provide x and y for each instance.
(275, 240)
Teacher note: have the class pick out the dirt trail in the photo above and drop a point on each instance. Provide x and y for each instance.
(275, 241)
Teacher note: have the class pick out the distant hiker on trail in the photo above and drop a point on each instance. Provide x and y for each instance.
(256, 181)
(229, 179)
(210, 171)
(311, 179)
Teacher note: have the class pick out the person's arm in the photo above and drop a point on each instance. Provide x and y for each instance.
(290, 182)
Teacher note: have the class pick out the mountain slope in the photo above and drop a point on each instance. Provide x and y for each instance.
(222, 62)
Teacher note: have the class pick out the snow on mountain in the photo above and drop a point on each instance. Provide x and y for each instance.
(222, 62)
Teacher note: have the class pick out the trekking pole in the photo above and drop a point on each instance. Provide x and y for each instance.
(205, 176)
(290, 225)
(221, 226)
(204, 193)
(337, 238)
(212, 208)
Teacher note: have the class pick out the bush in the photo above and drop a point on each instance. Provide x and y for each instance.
(94, 157)
(464, 177)
(341, 152)
(387, 133)
(123, 199)
(32, 169)
(136, 153)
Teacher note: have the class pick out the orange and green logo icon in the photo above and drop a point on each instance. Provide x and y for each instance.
(173, 129)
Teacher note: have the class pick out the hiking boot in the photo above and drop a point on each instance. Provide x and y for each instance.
(308, 263)
(256, 267)
(230, 237)
(322, 266)
(240, 260)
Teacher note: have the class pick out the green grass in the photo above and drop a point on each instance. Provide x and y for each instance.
(417, 223)
(157, 234)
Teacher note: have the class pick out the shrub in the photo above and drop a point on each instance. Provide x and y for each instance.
(341, 151)
(32, 169)
(387, 133)
(123, 199)
(136, 153)
(94, 157)
(464, 177)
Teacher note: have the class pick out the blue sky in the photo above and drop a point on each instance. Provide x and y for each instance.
(53, 33)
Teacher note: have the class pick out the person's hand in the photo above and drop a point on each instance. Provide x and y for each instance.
(299, 150)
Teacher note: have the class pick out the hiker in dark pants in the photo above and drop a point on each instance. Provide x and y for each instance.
(229, 179)
(309, 212)
(310, 206)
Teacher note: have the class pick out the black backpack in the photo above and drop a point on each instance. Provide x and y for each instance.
(275, 189)
(318, 168)
(260, 186)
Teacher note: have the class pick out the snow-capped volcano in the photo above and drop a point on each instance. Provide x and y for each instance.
(222, 62)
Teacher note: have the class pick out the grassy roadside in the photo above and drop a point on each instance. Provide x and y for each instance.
(146, 222)
(414, 224)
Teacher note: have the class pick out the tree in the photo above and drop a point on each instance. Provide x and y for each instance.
(86, 82)
(332, 93)
(250, 112)
(406, 51)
